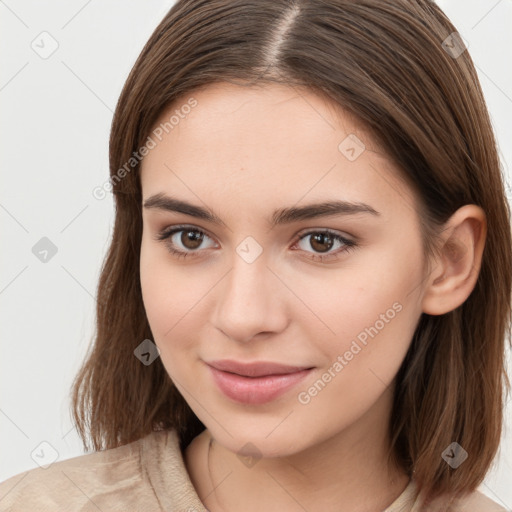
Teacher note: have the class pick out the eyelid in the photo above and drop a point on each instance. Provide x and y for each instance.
(341, 234)
(166, 232)
(349, 241)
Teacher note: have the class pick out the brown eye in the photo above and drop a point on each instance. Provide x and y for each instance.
(183, 241)
(322, 242)
(188, 241)
(319, 244)
(191, 239)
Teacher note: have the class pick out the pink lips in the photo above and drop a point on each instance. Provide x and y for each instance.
(255, 383)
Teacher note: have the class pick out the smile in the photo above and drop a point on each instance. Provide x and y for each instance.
(255, 383)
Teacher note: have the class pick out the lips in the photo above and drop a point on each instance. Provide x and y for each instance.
(255, 383)
(257, 369)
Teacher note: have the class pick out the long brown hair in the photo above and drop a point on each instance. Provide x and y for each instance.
(398, 67)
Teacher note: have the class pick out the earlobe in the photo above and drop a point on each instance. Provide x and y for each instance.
(456, 269)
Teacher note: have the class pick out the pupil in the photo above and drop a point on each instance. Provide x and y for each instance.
(321, 238)
(191, 237)
(194, 238)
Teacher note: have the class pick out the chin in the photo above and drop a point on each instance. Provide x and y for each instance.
(259, 439)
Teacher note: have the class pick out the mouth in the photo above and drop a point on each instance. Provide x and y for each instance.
(255, 383)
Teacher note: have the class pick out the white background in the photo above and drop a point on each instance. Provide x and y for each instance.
(56, 116)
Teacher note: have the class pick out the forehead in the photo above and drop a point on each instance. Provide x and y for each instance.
(257, 113)
(240, 142)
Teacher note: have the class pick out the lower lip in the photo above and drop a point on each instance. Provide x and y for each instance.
(256, 390)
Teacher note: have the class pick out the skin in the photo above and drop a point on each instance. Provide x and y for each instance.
(244, 152)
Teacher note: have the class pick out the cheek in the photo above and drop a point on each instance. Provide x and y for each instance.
(175, 298)
(361, 368)
(375, 324)
(164, 309)
(360, 299)
(164, 291)
(153, 278)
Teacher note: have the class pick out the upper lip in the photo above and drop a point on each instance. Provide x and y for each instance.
(256, 369)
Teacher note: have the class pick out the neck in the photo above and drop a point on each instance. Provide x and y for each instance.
(335, 474)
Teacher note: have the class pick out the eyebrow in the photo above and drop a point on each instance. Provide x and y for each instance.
(281, 216)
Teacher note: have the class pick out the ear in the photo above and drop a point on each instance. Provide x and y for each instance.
(455, 270)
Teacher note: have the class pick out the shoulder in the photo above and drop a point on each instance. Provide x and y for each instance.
(114, 479)
(474, 501)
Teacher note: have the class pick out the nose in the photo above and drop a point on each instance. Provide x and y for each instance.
(251, 301)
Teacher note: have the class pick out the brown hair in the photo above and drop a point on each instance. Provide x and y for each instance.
(384, 61)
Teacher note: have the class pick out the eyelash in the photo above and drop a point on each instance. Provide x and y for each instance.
(167, 233)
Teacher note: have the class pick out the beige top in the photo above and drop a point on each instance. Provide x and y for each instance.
(146, 475)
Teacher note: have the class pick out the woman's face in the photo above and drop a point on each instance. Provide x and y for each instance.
(331, 293)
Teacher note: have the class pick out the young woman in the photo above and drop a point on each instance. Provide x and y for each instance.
(308, 292)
